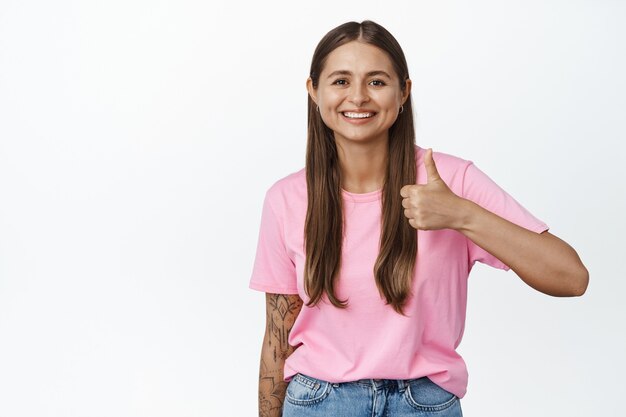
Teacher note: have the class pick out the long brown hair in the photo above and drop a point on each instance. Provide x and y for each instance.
(395, 264)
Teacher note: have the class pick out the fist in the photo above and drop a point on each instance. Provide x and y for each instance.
(433, 205)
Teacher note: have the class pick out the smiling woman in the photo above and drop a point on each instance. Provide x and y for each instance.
(391, 227)
(359, 87)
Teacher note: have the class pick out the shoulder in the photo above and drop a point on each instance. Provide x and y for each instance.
(288, 189)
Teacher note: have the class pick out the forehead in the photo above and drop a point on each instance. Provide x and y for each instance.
(357, 56)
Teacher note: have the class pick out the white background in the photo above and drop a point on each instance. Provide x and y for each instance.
(138, 138)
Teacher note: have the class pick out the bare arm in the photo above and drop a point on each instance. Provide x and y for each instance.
(281, 313)
(542, 260)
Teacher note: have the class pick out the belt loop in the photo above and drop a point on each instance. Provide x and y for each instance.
(377, 383)
(401, 385)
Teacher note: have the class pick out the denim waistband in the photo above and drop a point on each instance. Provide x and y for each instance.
(379, 384)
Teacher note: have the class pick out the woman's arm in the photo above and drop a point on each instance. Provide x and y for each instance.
(542, 260)
(281, 313)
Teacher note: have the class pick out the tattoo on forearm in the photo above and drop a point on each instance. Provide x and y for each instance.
(281, 314)
(280, 318)
(271, 391)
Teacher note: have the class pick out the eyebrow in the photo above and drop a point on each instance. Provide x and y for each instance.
(369, 74)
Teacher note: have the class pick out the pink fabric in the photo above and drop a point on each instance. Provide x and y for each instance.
(369, 339)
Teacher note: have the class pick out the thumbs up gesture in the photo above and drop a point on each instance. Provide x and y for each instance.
(433, 205)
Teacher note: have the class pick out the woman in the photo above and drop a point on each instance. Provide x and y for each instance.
(364, 254)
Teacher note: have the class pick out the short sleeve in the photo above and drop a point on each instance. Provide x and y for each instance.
(273, 270)
(482, 190)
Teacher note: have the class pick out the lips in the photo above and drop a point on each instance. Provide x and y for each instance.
(355, 115)
(358, 114)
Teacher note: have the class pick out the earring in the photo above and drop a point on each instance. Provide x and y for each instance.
(318, 109)
(401, 109)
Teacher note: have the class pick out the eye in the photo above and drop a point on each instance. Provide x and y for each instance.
(379, 81)
(336, 81)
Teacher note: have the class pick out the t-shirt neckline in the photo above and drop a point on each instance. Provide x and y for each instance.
(377, 194)
(362, 197)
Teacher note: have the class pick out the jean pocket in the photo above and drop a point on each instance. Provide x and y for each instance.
(425, 395)
(306, 390)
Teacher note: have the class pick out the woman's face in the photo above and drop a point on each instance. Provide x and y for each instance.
(359, 79)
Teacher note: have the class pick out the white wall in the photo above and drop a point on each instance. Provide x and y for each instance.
(137, 139)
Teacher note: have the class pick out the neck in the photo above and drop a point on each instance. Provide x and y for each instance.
(363, 165)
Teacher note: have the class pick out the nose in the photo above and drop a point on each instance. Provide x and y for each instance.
(358, 94)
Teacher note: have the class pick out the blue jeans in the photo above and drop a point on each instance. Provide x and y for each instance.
(307, 396)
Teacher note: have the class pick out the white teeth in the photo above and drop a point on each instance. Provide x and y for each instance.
(357, 115)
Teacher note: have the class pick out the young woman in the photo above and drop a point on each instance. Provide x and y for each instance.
(364, 254)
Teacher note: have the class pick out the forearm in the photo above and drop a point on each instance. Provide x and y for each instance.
(543, 261)
(281, 313)
(272, 387)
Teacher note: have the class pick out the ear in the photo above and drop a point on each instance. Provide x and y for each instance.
(311, 90)
(407, 90)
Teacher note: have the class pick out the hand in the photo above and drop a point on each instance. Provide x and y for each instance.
(433, 205)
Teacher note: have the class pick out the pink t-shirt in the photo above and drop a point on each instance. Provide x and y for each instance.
(369, 339)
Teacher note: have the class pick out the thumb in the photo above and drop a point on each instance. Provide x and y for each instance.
(431, 169)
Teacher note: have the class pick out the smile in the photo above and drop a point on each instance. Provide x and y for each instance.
(351, 115)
